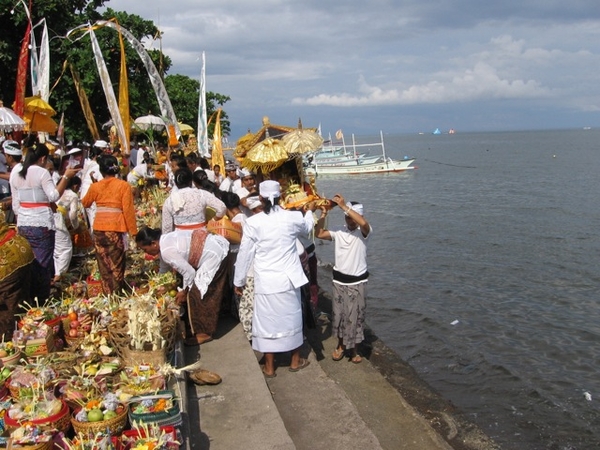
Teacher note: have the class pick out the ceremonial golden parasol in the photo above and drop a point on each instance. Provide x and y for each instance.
(36, 104)
(243, 144)
(39, 122)
(266, 156)
(301, 141)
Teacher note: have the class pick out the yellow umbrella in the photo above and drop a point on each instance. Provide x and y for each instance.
(36, 104)
(185, 129)
(39, 122)
(299, 142)
(267, 155)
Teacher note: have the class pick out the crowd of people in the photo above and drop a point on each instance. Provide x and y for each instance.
(84, 201)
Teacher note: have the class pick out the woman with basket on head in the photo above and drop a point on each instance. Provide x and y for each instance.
(115, 217)
(33, 198)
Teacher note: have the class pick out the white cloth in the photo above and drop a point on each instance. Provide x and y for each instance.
(175, 252)
(139, 172)
(90, 168)
(210, 175)
(193, 210)
(270, 239)
(277, 322)
(350, 251)
(63, 250)
(242, 193)
(36, 187)
(229, 185)
(71, 203)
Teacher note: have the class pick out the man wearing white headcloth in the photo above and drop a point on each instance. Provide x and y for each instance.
(269, 239)
(350, 276)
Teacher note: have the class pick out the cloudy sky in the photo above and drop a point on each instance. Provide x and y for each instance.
(398, 66)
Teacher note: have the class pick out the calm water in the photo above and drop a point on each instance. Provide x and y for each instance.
(500, 232)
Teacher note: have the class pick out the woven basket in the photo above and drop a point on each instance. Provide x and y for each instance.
(63, 363)
(169, 417)
(154, 358)
(59, 421)
(12, 360)
(115, 425)
(119, 338)
(41, 446)
(22, 392)
(73, 342)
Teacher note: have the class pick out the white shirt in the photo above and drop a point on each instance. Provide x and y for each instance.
(229, 185)
(138, 172)
(270, 240)
(90, 167)
(350, 251)
(188, 206)
(36, 187)
(175, 252)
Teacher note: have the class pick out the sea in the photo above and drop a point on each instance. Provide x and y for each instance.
(485, 275)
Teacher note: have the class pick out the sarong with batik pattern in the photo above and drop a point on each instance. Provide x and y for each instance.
(110, 254)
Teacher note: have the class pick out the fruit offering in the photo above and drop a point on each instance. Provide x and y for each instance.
(97, 410)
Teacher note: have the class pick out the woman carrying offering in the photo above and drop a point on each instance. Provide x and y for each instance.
(115, 217)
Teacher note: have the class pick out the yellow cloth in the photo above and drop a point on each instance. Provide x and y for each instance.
(14, 253)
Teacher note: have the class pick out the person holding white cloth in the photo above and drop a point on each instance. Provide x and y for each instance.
(269, 239)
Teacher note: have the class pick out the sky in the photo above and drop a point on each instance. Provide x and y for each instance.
(399, 66)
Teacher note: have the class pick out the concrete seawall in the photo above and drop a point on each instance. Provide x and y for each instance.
(378, 404)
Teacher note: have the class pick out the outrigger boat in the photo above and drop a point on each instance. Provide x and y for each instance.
(358, 165)
(385, 165)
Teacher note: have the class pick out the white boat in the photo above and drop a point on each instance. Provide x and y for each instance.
(386, 165)
(347, 160)
(374, 164)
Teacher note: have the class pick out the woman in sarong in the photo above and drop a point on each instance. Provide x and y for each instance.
(115, 217)
(33, 196)
(16, 261)
(269, 239)
(185, 207)
(200, 258)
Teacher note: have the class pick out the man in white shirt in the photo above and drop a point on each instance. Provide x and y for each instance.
(232, 181)
(350, 276)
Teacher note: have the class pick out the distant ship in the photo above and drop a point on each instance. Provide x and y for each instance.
(437, 131)
(451, 131)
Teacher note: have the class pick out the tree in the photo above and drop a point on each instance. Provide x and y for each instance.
(62, 16)
(184, 93)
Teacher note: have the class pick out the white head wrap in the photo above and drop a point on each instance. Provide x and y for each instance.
(244, 173)
(74, 150)
(12, 148)
(253, 202)
(358, 208)
(101, 144)
(269, 189)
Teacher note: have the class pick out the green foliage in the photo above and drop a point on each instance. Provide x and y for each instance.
(184, 93)
(64, 15)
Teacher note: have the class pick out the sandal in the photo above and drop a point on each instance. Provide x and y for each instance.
(303, 363)
(356, 359)
(205, 377)
(269, 375)
(338, 354)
